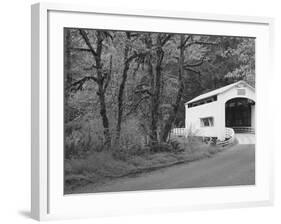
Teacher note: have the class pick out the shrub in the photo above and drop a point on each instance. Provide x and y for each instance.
(97, 166)
(177, 147)
(130, 142)
(161, 147)
(81, 139)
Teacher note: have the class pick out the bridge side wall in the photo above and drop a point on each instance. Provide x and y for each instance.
(194, 114)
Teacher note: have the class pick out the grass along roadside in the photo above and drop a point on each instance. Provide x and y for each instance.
(101, 166)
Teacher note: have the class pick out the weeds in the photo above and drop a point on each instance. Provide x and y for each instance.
(87, 161)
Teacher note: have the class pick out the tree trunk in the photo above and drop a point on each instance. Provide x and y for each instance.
(103, 114)
(169, 123)
(156, 87)
(153, 122)
(101, 91)
(67, 62)
(121, 93)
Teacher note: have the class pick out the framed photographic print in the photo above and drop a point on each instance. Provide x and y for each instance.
(148, 111)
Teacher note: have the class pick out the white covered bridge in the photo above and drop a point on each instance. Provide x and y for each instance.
(220, 113)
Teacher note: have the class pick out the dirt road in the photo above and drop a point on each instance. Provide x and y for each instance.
(235, 166)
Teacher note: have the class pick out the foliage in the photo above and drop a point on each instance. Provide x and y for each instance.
(125, 90)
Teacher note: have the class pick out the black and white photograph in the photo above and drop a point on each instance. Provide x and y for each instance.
(152, 111)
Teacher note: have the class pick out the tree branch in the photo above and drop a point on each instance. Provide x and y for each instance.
(184, 42)
(191, 70)
(86, 39)
(135, 106)
(108, 76)
(80, 49)
(164, 41)
(142, 91)
(201, 43)
(135, 55)
(195, 64)
(79, 84)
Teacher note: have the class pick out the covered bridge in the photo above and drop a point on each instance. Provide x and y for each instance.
(213, 113)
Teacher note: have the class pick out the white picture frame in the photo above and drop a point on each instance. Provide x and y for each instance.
(47, 201)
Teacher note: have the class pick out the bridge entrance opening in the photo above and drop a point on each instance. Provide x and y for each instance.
(239, 113)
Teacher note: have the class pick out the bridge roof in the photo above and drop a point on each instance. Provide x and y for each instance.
(218, 91)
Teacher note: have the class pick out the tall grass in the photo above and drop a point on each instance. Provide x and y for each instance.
(86, 157)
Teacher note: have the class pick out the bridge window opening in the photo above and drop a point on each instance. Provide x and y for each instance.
(207, 122)
(203, 101)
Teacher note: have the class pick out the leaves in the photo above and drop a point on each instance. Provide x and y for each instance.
(96, 61)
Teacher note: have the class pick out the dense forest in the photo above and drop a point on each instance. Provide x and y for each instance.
(125, 90)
